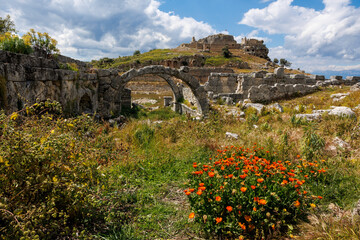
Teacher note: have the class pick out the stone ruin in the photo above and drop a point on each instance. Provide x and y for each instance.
(215, 43)
(28, 79)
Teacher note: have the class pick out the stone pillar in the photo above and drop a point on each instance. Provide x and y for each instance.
(167, 101)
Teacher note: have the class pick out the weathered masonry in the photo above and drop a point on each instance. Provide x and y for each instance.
(27, 79)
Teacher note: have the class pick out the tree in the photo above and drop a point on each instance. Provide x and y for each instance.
(285, 62)
(226, 52)
(276, 60)
(136, 53)
(41, 42)
(7, 25)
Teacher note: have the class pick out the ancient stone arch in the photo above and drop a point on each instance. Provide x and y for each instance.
(166, 73)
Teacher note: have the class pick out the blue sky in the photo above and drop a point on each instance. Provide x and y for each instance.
(315, 35)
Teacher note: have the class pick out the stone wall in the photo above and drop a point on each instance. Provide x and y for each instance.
(31, 79)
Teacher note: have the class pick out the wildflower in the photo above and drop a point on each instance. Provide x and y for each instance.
(191, 190)
(297, 203)
(218, 198)
(242, 226)
(253, 187)
(218, 220)
(247, 218)
(191, 215)
(312, 205)
(199, 192)
(229, 208)
(254, 209)
(320, 197)
(187, 193)
(211, 174)
(260, 180)
(243, 189)
(262, 201)
(202, 188)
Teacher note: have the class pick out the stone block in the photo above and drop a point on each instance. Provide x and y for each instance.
(336, 77)
(14, 72)
(279, 72)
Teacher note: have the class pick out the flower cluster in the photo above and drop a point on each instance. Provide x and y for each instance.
(240, 192)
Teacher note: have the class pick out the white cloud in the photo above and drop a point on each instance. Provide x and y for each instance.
(326, 36)
(88, 29)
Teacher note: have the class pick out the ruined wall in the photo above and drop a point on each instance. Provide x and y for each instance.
(31, 79)
(202, 74)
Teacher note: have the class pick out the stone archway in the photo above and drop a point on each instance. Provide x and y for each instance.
(166, 73)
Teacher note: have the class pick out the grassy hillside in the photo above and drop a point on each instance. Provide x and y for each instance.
(80, 179)
(212, 59)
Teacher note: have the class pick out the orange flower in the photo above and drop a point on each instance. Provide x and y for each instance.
(229, 208)
(253, 187)
(218, 198)
(254, 209)
(297, 203)
(242, 226)
(230, 175)
(218, 220)
(260, 180)
(187, 193)
(202, 188)
(222, 168)
(191, 215)
(201, 184)
(320, 197)
(247, 218)
(262, 201)
(199, 192)
(243, 189)
(191, 190)
(211, 174)
(298, 156)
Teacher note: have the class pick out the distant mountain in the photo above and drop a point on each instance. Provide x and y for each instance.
(338, 73)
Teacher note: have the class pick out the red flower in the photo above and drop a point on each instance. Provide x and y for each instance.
(229, 208)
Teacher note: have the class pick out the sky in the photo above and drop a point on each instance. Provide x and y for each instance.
(318, 36)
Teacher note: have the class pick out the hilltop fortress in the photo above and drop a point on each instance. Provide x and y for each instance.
(215, 43)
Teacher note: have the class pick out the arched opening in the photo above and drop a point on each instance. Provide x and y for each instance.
(85, 104)
(168, 74)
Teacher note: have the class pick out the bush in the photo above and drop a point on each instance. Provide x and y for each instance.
(249, 193)
(13, 43)
(41, 41)
(226, 52)
(52, 185)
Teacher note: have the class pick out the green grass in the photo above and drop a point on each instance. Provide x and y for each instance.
(217, 61)
(151, 56)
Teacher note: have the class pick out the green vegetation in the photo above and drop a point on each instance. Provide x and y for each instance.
(41, 41)
(226, 52)
(77, 178)
(221, 60)
(151, 56)
(7, 25)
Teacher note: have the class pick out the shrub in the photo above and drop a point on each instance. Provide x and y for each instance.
(52, 186)
(312, 144)
(41, 41)
(226, 52)
(13, 43)
(249, 193)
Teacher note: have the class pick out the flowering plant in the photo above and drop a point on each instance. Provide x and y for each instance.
(244, 192)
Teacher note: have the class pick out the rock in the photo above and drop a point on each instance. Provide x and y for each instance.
(309, 117)
(276, 106)
(227, 100)
(339, 96)
(232, 135)
(341, 143)
(342, 112)
(235, 113)
(355, 87)
(259, 107)
(279, 72)
(336, 77)
(356, 210)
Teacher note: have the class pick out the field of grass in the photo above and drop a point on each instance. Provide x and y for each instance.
(127, 181)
